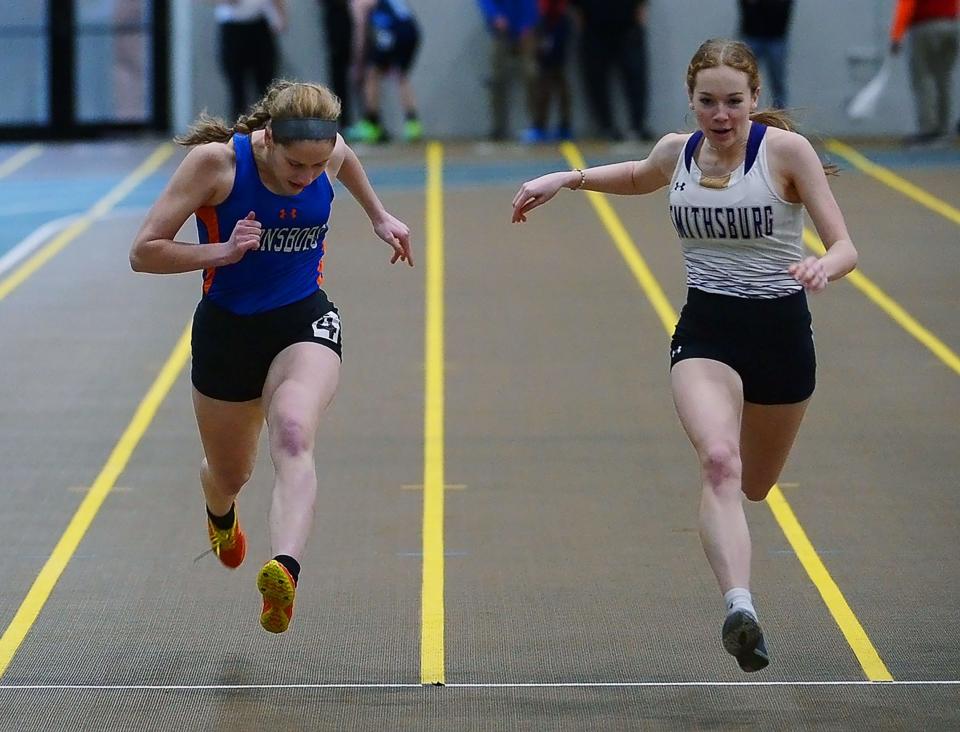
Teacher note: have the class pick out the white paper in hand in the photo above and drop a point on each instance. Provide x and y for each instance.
(864, 103)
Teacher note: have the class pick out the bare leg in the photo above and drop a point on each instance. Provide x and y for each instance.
(372, 89)
(229, 432)
(709, 399)
(300, 385)
(766, 436)
(407, 98)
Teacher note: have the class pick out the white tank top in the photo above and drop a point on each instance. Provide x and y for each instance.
(738, 240)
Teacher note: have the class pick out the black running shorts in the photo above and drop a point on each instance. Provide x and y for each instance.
(232, 353)
(395, 46)
(768, 342)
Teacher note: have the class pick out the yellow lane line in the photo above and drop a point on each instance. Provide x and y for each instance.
(431, 599)
(891, 179)
(86, 220)
(886, 303)
(874, 668)
(19, 159)
(117, 462)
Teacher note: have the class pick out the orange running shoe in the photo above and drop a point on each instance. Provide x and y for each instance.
(278, 589)
(230, 545)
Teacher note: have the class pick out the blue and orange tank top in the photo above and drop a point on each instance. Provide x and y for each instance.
(288, 264)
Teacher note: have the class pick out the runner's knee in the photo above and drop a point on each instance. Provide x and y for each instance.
(290, 436)
(230, 477)
(757, 491)
(720, 463)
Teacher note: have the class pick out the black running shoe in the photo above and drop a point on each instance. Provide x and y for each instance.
(743, 639)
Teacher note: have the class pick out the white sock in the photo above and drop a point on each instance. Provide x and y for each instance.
(738, 598)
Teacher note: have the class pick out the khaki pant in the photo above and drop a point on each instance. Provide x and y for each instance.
(933, 50)
(511, 59)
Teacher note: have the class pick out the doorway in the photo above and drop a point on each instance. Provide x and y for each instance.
(84, 68)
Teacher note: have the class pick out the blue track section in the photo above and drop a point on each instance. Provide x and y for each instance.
(26, 205)
(943, 157)
(62, 183)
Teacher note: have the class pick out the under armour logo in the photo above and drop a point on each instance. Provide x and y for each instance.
(675, 352)
(678, 186)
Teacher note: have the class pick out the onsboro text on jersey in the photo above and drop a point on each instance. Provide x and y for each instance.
(292, 239)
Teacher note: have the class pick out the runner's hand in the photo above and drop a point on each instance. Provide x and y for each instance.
(535, 193)
(397, 234)
(810, 273)
(245, 236)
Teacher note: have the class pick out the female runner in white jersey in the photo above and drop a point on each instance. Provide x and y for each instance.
(742, 358)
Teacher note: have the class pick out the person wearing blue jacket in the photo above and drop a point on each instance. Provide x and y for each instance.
(512, 24)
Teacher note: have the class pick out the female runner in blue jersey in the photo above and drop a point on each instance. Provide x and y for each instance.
(742, 357)
(266, 340)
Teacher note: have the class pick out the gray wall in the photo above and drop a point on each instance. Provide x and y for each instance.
(835, 45)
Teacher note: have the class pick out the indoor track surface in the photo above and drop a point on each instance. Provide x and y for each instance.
(506, 531)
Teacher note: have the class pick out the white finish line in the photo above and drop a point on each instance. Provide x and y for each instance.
(519, 685)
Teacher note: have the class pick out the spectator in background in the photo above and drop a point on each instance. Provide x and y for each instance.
(386, 38)
(614, 36)
(512, 24)
(248, 47)
(932, 25)
(338, 36)
(763, 26)
(553, 34)
(130, 61)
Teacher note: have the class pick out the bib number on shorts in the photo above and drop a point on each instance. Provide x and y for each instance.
(328, 328)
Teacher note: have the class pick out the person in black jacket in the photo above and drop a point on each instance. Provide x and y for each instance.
(763, 26)
(614, 36)
(254, 24)
(338, 36)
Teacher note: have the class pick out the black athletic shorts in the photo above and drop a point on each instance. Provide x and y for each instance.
(769, 343)
(232, 353)
(394, 46)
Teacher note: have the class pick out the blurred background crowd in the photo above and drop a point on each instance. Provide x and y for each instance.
(530, 71)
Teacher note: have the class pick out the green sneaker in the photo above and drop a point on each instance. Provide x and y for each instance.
(413, 130)
(365, 131)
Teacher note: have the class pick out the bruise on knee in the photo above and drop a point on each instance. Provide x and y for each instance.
(290, 437)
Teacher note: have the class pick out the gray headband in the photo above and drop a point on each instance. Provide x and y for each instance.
(303, 128)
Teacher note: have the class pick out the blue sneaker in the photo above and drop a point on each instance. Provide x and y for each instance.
(532, 136)
(743, 639)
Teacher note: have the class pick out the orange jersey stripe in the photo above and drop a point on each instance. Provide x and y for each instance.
(320, 263)
(207, 216)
